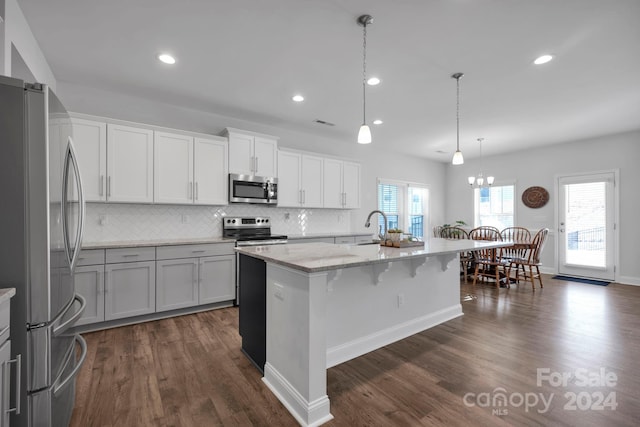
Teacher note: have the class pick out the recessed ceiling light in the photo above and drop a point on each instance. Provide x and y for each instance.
(373, 81)
(543, 59)
(298, 98)
(377, 122)
(167, 59)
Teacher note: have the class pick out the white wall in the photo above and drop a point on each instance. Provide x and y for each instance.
(375, 163)
(18, 35)
(540, 167)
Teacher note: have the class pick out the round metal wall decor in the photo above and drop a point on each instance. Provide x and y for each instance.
(535, 197)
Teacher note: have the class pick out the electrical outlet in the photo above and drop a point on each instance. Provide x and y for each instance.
(287, 216)
(185, 219)
(400, 300)
(102, 219)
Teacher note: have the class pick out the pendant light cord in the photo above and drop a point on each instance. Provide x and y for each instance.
(458, 114)
(364, 74)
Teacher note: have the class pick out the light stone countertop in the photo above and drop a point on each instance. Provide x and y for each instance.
(320, 235)
(314, 257)
(6, 294)
(157, 242)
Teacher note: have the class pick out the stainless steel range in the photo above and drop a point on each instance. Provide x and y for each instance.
(251, 231)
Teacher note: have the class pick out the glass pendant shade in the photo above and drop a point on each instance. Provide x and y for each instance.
(471, 180)
(490, 180)
(364, 135)
(457, 158)
(480, 181)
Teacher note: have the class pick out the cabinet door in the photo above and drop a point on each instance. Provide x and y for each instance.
(211, 172)
(130, 289)
(90, 284)
(217, 279)
(351, 185)
(173, 168)
(333, 197)
(90, 143)
(129, 164)
(311, 181)
(241, 154)
(177, 283)
(266, 156)
(289, 191)
(5, 385)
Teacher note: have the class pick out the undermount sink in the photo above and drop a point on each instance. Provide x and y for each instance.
(373, 242)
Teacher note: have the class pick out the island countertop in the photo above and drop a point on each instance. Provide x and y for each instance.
(314, 257)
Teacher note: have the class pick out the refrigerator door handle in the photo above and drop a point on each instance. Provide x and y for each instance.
(71, 320)
(80, 231)
(58, 386)
(18, 362)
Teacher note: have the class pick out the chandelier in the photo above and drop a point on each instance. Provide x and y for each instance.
(480, 180)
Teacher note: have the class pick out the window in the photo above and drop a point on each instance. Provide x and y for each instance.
(495, 206)
(404, 204)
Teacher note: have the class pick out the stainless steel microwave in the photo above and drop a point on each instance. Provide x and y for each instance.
(253, 189)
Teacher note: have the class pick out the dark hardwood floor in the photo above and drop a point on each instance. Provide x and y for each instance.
(189, 371)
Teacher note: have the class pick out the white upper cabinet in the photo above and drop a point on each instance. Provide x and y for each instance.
(90, 143)
(173, 168)
(129, 164)
(312, 181)
(351, 185)
(211, 174)
(252, 154)
(341, 184)
(289, 179)
(299, 180)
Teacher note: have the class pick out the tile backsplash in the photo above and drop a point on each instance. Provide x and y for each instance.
(121, 222)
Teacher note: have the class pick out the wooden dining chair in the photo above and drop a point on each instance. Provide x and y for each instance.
(488, 262)
(466, 257)
(520, 236)
(436, 230)
(531, 260)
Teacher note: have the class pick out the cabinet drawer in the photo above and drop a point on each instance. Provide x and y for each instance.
(130, 255)
(367, 238)
(312, 240)
(5, 308)
(91, 257)
(194, 251)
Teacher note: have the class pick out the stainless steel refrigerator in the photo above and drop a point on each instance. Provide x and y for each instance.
(41, 224)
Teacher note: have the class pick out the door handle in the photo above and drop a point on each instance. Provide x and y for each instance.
(18, 363)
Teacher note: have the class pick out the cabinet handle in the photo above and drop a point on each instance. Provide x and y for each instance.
(196, 190)
(109, 186)
(256, 164)
(101, 193)
(190, 196)
(130, 255)
(106, 282)
(304, 197)
(18, 362)
(198, 251)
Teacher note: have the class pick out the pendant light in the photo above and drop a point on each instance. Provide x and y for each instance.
(457, 156)
(479, 180)
(364, 135)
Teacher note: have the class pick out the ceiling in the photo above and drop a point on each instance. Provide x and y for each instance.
(246, 58)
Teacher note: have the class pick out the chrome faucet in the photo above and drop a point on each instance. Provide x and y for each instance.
(368, 223)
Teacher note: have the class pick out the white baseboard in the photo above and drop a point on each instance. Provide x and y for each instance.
(352, 349)
(628, 280)
(309, 414)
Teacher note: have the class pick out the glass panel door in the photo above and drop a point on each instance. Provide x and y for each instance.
(586, 226)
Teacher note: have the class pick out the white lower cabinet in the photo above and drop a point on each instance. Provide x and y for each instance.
(177, 283)
(126, 282)
(130, 289)
(90, 284)
(217, 278)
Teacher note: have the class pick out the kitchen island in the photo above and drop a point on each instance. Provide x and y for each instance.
(326, 304)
